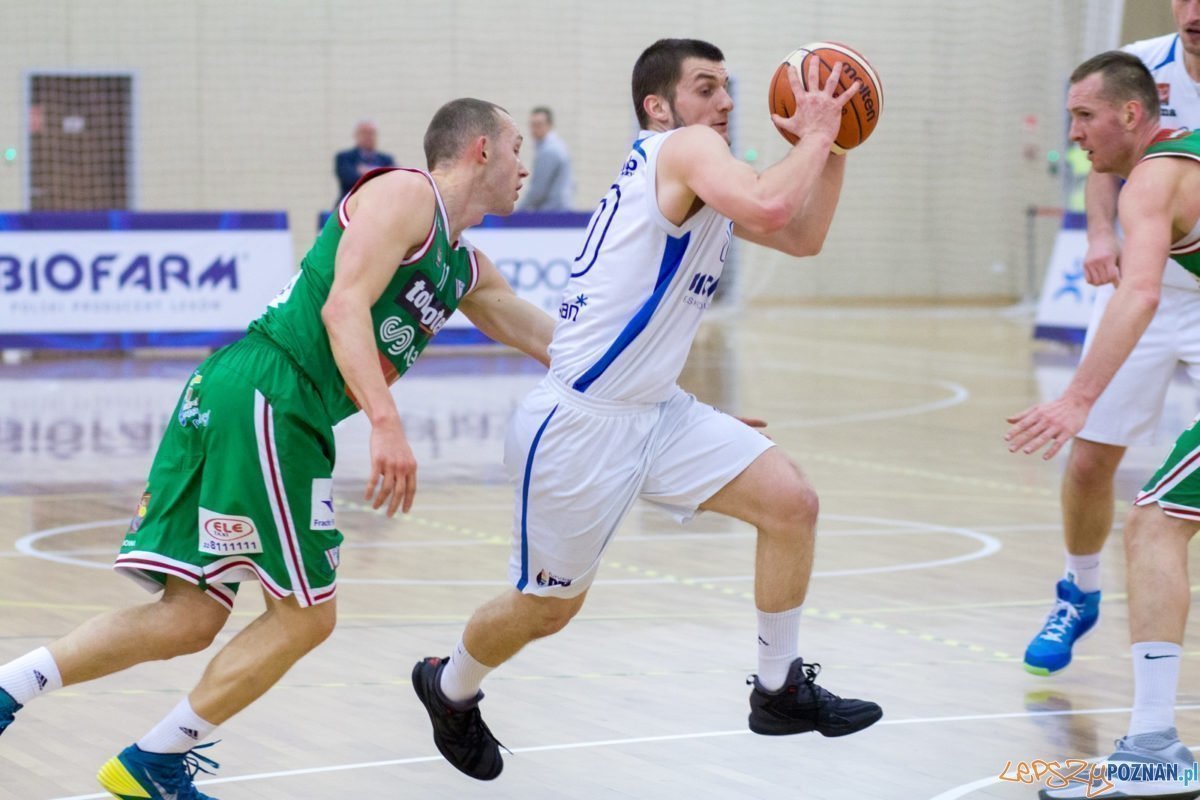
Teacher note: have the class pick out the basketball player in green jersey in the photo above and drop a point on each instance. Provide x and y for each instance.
(240, 488)
(1114, 106)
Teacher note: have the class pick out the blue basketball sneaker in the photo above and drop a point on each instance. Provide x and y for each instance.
(8, 709)
(138, 775)
(1075, 614)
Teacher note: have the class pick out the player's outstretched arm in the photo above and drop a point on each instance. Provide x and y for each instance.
(494, 308)
(390, 219)
(1146, 211)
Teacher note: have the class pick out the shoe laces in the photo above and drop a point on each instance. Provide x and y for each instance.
(477, 732)
(1060, 619)
(191, 764)
(811, 671)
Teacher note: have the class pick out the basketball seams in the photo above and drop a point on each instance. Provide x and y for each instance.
(858, 104)
(823, 73)
(844, 84)
(850, 52)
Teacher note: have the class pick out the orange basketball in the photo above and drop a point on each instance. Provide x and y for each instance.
(859, 116)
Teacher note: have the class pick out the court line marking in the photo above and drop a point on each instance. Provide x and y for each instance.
(642, 576)
(676, 737)
(888, 527)
(25, 545)
(912, 472)
(903, 355)
(662, 536)
(958, 395)
(990, 546)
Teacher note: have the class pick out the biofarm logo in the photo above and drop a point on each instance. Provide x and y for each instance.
(67, 272)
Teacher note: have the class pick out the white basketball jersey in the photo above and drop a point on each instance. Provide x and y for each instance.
(1180, 98)
(638, 289)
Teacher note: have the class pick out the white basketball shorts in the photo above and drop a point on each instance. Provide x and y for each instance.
(579, 463)
(1128, 411)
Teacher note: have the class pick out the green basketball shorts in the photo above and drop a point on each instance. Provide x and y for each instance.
(1176, 485)
(241, 487)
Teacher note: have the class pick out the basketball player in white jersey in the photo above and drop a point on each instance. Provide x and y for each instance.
(609, 423)
(1129, 410)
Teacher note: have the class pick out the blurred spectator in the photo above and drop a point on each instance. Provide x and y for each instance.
(550, 187)
(363, 157)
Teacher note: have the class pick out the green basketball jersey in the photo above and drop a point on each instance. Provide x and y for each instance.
(423, 293)
(1180, 143)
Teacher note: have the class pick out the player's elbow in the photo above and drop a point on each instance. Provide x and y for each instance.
(767, 217)
(808, 244)
(1139, 297)
(332, 311)
(1147, 297)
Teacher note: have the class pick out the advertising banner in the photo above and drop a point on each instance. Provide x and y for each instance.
(1065, 305)
(534, 251)
(91, 280)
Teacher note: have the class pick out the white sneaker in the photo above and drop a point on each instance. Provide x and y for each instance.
(1153, 764)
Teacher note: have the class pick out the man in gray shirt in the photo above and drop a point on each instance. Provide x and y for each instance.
(551, 186)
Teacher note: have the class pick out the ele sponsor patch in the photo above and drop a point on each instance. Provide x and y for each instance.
(227, 534)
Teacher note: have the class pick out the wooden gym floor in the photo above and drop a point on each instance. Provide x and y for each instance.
(936, 561)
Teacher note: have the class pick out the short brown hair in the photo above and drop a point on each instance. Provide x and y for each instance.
(658, 68)
(457, 123)
(1124, 78)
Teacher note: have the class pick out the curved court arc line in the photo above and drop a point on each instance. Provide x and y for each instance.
(25, 545)
(889, 527)
(958, 395)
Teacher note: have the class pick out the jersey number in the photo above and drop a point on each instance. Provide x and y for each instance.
(601, 220)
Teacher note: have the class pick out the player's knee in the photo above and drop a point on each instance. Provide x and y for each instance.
(552, 616)
(795, 507)
(194, 640)
(320, 621)
(1092, 464)
(187, 626)
(1148, 529)
(191, 634)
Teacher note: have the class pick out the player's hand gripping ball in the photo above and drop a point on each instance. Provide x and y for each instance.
(859, 116)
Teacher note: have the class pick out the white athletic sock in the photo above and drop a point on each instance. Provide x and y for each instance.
(1155, 682)
(462, 675)
(32, 675)
(778, 646)
(179, 731)
(1084, 572)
